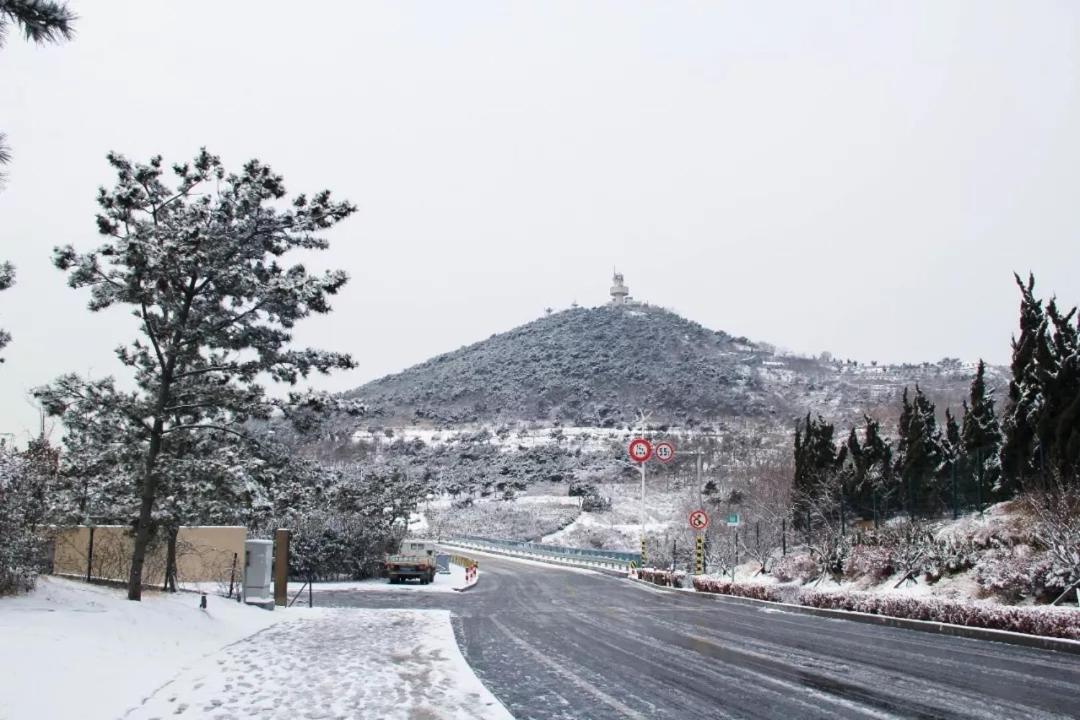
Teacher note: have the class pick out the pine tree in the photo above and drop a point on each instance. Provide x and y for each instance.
(198, 264)
(816, 462)
(919, 454)
(980, 464)
(1057, 429)
(41, 21)
(1024, 394)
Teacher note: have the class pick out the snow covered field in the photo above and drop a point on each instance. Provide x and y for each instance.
(74, 650)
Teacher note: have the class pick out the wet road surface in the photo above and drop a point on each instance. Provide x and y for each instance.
(553, 644)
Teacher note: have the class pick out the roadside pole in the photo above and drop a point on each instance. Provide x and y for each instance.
(642, 419)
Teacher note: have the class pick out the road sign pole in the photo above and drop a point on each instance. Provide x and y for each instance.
(642, 417)
(642, 519)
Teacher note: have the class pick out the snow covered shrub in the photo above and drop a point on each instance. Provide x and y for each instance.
(595, 502)
(1057, 529)
(800, 567)
(664, 578)
(948, 556)
(753, 591)
(873, 562)
(1051, 622)
(22, 508)
(1012, 573)
(910, 543)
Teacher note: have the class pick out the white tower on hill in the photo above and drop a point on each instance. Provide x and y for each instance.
(620, 293)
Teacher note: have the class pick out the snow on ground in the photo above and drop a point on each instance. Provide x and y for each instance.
(339, 663)
(443, 583)
(473, 552)
(72, 650)
(619, 528)
(80, 639)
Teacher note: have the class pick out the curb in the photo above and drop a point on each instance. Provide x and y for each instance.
(470, 586)
(1040, 642)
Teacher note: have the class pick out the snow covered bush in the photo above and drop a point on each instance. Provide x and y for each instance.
(754, 591)
(664, 578)
(948, 556)
(874, 562)
(1051, 622)
(800, 567)
(1057, 528)
(1012, 573)
(22, 507)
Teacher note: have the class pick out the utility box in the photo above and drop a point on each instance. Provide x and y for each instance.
(258, 573)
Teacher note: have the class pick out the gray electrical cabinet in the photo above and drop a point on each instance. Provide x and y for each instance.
(258, 573)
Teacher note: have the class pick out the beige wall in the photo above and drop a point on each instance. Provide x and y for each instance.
(203, 554)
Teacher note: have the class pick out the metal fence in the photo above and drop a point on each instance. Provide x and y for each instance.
(614, 559)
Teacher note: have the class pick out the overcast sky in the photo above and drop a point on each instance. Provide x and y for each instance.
(857, 177)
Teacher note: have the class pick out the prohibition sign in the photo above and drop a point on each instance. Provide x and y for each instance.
(699, 520)
(665, 452)
(640, 450)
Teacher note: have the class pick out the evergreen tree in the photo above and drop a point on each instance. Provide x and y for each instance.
(816, 462)
(198, 263)
(41, 21)
(919, 455)
(980, 465)
(1041, 442)
(1024, 394)
(1057, 428)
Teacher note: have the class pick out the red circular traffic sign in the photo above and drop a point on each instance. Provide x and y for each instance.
(699, 520)
(665, 452)
(640, 450)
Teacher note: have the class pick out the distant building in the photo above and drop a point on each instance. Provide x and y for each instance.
(620, 293)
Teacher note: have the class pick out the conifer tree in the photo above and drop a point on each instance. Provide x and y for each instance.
(198, 264)
(919, 454)
(980, 466)
(1024, 394)
(816, 461)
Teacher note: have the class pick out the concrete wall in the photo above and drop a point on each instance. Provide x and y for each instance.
(203, 554)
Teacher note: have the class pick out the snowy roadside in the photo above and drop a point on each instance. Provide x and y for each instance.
(339, 663)
(443, 583)
(106, 657)
(101, 653)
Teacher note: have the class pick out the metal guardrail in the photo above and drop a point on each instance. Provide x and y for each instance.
(589, 557)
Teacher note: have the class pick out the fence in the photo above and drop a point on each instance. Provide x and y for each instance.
(203, 554)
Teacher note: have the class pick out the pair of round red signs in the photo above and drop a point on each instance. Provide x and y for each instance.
(641, 450)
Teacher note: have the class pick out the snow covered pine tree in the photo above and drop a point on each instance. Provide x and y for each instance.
(198, 265)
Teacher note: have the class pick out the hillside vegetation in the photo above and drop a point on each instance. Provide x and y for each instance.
(595, 367)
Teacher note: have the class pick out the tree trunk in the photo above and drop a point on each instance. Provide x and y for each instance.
(146, 510)
(170, 562)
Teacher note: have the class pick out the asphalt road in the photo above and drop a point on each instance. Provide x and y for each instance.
(558, 645)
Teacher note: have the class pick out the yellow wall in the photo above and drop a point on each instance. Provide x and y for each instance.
(203, 554)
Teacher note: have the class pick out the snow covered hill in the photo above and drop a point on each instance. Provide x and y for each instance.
(595, 367)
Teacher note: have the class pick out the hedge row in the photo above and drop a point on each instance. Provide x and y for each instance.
(1045, 621)
(664, 578)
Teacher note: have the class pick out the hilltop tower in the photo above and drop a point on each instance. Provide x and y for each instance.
(620, 293)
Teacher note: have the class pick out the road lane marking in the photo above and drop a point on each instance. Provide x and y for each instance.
(620, 707)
